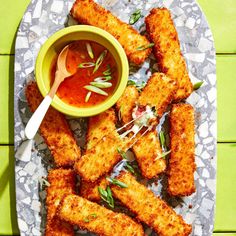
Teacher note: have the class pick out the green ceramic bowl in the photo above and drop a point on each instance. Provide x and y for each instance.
(55, 44)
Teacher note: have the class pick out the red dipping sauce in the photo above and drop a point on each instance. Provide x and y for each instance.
(72, 90)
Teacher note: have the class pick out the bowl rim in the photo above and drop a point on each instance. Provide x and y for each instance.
(86, 111)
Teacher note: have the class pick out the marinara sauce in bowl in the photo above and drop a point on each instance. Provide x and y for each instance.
(98, 64)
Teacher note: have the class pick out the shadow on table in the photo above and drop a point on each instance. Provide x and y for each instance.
(8, 177)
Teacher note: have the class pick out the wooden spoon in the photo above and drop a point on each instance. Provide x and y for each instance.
(61, 73)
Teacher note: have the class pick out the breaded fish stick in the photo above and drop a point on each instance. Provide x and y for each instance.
(100, 160)
(182, 160)
(162, 32)
(93, 217)
(126, 103)
(149, 208)
(55, 131)
(158, 92)
(148, 153)
(90, 13)
(98, 127)
(62, 182)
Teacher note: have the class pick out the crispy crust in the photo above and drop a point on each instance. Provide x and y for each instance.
(162, 32)
(99, 126)
(90, 13)
(126, 103)
(89, 190)
(158, 92)
(55, 131)
(147, 149)
(100, 160)
(149, 208)
(75, 210)
(182, 160)
(62, 182)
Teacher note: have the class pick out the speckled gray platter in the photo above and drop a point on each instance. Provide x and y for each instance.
(42, 19)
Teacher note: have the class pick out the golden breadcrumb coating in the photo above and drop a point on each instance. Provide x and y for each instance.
(89, 190)
(149, 208)
(62, 182)
(55, 131)
(162, 32)
(148, 153)
(100, 160)
(158, 92)
(126, 103)
(95, 218)
(182, 160)
(99, 126)
(90, 13)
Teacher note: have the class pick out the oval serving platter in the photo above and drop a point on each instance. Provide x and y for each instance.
(41, 19)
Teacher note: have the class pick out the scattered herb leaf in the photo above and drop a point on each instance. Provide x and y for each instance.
(101, 84)
(99, 60)
(164, 154)
(90, 50)
(122, 153)
(106, 196)
(197, 85)
(145, 47)
(162, 139)
(130, 168)
(88, 96)
(135, 16)
(107, 71)
(90, 217)
(86, 65)
(95, 90)
(117, 182)
(131, 82)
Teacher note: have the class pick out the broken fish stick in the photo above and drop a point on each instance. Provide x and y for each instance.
(100, 160)
(126, 103)
(163, 34)
(149, 208)
(148, 154)
(62, 182)
(90, 13)
(182, 160)
(55, 131)
(95, 218)
(158, 92)
(89, 190)
(99, 126)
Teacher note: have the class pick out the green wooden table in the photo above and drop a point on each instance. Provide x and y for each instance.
(221, 16)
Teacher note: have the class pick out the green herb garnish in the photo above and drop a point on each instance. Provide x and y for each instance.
(103, 78)
(101, 84)
(88, 96)
(164, 154)
(95, 90)
(162, 139)
(90, 217)
(86, 65)
(122, 153)
(117, 182)
(150, 45)
(99, 60)
(131, 82)
(197, 85)
(107, 71)
(106, 196)
(90, 50)
(129, 168)
(135, 17)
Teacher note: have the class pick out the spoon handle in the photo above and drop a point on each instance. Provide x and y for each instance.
(36, 119)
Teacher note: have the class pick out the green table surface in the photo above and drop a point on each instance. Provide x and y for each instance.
(221, 16)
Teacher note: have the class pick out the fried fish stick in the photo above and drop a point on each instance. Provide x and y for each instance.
(182, 160)
(158, 92)
(126, 103)
(62, 182)
(55, 131)
(93, 217)
(148, 153)
(100, 160)
(98, 127)
(89, 190)
(89, 12)
(149, 208)
(162, 32)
